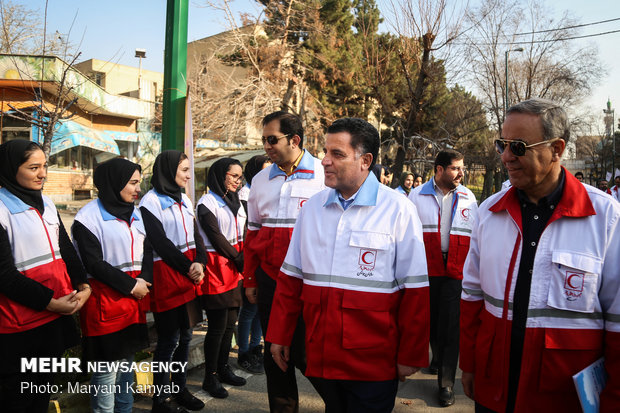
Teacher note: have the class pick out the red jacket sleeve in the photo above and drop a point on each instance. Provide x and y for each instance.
(285, 310)
(414, 327)
(470, 324)
(251, 261)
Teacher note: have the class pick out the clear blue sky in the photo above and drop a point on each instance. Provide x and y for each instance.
(113, 29)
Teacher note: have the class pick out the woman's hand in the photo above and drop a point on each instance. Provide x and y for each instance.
(82, 295)
(141, 289)
(196, 272)
(65, 305)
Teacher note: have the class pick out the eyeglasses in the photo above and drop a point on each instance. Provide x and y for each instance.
(518, 147)
(272, 139)
(235, 177)
(456, 168)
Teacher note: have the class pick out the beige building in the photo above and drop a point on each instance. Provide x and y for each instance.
(102, 125)
(123, 80)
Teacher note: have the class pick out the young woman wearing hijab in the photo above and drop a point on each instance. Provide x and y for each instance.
(222, 224)
(417, 180)
(110, 238)
(406, 183)
(250, 356)
(178, 269)
(42, 281)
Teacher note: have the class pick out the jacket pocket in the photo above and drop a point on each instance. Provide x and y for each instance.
(366, 322)
(565, 353)
(574, 282)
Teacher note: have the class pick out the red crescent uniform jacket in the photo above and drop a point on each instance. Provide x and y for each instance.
(574, 308)
(170, 288)
(273, 206)
(221, 275)
(35, 249)
(464, 213)
(108, 310)
(359, 276)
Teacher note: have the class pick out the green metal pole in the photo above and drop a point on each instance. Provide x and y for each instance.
(175, 75)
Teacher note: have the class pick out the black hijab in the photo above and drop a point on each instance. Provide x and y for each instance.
(254, 166)
(12, 156)
(110, 178)
(165, 172)
(215, 180)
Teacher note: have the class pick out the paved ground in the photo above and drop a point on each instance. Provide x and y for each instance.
(417, 394)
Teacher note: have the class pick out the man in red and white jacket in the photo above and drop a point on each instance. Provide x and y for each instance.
(541, 286)
(276, 197)
(447, 210)
(356, 267)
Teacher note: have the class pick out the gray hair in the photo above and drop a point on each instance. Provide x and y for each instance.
(553, 117)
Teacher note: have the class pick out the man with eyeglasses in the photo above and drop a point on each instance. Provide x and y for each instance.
(541, 286)
(447, 210)
(277, 195)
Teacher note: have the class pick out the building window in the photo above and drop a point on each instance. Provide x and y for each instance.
(99, 78)
(15, 129)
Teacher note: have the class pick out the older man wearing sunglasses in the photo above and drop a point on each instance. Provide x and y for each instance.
(541, 286)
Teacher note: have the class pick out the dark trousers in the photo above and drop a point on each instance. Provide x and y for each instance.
(352, 396)
(281, 386)
(34, 398)
(172, 345)
(445, 299)
(219, 337)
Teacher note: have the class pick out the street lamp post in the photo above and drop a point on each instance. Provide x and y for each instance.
(140, 54)
(610, 132)
(518, 49)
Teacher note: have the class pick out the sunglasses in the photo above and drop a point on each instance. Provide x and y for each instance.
(272, 139)
(517, 147)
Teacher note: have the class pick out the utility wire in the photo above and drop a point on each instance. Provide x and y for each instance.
(568, 27)
(563, 38)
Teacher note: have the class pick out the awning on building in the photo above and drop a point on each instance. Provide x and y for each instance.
(69, 134)
(122, 136)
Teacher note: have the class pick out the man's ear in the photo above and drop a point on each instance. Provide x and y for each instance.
(295, 140)
(366, 161)
(558, 148)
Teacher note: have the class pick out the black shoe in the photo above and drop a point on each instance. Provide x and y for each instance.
(259, 359)
(227, 376)
(212, 385)
(446, 396)
(167, 406)
(250, 363)
(188, 400)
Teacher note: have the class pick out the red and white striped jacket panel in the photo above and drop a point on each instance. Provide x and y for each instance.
(34, 240)
(464, 214)
(122, 246)
(360, 277)
(170, 288)
(574, 306)
(273, 206)
(221, 275)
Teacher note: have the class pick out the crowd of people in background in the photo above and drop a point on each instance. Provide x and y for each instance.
(339, 275)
